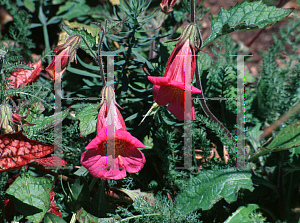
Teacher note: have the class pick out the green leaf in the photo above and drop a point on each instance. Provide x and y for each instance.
(82, 216)
(245, 16)
(207, 188)
(288, 138)
(80, 190)
(29, 4)
(89, 33)
(30, 196)
(87, 118)
(82, 72)
(82, 171)
(46, 122)
(52, 218)
(79, 9)
(241, 214)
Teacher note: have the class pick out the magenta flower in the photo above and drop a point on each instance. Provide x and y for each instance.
(126, 157)
(171, 87)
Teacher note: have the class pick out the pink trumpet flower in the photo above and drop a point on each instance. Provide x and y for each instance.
(126, 155)
(171, 87)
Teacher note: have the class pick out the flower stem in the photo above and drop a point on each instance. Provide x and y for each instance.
(100, 56)
(192, 11)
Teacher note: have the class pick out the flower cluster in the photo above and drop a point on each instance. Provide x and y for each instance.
(126, 155)
(171, 87)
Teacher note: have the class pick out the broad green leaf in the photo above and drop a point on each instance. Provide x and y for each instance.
(82, 217)
(208, 187)
(87, 118)
(52, 218)
(288, 138)
(245, 16)
(30, 196)
(241, 214)
(87, 32)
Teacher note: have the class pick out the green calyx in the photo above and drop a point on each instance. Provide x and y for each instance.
(191, 33)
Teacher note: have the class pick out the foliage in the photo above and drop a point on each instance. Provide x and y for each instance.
(190, 172)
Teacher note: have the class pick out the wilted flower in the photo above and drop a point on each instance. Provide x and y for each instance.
(126, 155)
(22, 77)
(166, 6)
(171, 87)
(67, 51)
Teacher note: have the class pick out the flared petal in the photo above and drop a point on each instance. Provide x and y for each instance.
(162, 95)
(133, 160)
(159, 80)
(94, 144)
(100, 166)
(125, 156)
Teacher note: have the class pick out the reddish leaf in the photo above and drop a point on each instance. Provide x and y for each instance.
(51, 161)
(53, 208)
(16, 150)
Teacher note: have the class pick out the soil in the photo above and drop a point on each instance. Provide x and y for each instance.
(264, 40)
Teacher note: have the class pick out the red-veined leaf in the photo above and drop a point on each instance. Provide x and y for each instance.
(51, 161)
(16, 150)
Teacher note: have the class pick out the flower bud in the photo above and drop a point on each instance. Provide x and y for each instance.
(5, 118)
(67, 51)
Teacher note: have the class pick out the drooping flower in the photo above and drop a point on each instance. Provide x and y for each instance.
(22, 77)
(171, 87)
(166, 6)
(126, 155)
(67, 51)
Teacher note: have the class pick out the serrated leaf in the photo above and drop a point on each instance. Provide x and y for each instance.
(89, 33)
(46, 122)
(87, 117)
(82, 216)
(245, 16)
(52, 218)
(288, 138)
(16, 150)
(241, 214)
(30, 196)
(208, 187)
